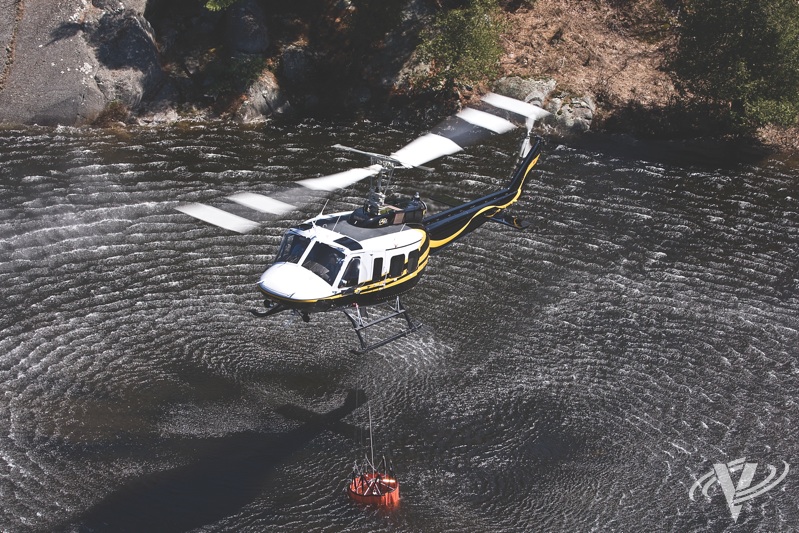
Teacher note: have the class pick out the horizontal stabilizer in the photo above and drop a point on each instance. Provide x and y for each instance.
(217, 217)
(507, 220)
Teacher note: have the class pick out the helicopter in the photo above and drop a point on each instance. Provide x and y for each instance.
(374, 254)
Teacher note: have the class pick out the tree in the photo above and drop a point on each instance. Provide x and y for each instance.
(464, 44)
(742, 55)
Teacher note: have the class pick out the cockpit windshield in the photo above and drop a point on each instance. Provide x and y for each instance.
(324, 261)
(292, 248)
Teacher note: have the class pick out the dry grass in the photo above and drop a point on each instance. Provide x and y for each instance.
(612, 50)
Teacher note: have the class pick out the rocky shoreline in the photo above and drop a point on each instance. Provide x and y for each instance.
(153, 62)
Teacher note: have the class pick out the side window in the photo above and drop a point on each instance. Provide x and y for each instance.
(413, 261)
(396, 266)
(351, 274)
(377, 269)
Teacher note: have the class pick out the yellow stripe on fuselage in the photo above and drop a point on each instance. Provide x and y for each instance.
(442, 242)
(387, 283)
(373, 287)
(390, 282)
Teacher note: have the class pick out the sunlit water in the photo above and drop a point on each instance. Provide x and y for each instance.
(578, 376)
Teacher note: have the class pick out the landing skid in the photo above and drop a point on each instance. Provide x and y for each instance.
(361, 321)
(271, 309)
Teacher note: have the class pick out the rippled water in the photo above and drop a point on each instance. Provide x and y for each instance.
(579, 376)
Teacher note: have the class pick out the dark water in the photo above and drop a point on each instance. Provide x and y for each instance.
(579, 376)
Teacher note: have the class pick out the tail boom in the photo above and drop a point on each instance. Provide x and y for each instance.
(446, 227)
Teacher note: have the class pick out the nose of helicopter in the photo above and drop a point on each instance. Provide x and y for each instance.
(290, 281)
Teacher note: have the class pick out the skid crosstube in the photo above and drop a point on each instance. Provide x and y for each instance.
(361, 321)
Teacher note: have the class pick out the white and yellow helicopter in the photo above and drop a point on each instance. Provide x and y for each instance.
(377, 252)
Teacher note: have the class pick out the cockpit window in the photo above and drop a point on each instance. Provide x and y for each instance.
(324, 261)
(292, 248)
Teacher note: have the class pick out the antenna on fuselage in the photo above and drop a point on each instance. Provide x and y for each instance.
(322, 212)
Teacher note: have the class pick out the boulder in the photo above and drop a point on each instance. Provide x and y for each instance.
(396, 66)
(570, 115)
(49, 68)
(66, 61)
(297, 64)
(128, 63)
(535, 91)
(264, 99)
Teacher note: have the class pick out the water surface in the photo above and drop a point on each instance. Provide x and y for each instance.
(578, 376)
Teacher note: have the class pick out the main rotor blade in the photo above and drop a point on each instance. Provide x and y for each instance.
(451, 136)
(341, 179)
(470, 127)
(464, 129)
(261, 203)
(426, 148)
(217, 217)
(486, 120)
(515, 106)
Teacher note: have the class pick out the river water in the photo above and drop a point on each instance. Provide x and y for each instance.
(577, 376)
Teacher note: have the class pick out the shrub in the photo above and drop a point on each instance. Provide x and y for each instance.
(743, 56)
(219, 5)
(464, 45)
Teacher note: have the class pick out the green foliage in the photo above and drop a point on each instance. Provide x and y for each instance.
(219, 5)
(234, 75)
(742, 55)
(464, 44)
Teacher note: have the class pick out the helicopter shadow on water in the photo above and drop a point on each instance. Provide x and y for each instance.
(223, 481)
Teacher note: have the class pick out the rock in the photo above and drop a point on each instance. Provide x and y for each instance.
(48, 72)
(411, 71)
(528, 90)
(164, 116)
(125, 48)
(66, 61)
(570, 115)
(297, 64)
(396, 66)
(110, 6)
(357, 96)
(263, 99)
(246, 28)
(122, 85)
